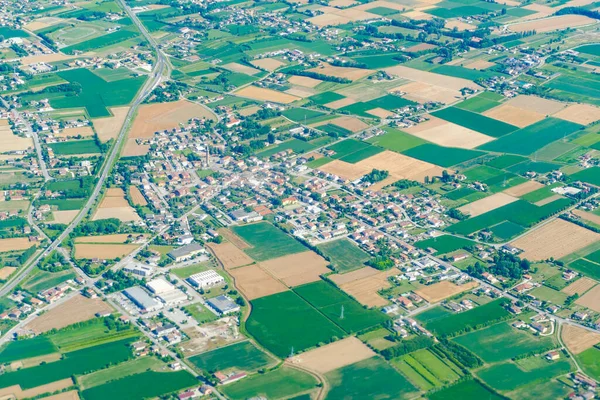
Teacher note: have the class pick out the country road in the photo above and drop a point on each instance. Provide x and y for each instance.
(160, 71)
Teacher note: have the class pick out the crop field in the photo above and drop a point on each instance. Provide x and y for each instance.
(338, 307)
(267, 241)
(103, 251)
(586, 267)
(347, 147)
(277, 384)
(371, 378)
(590, 362)
(454, 323)
(591, 299)
(577, 339)
(75, 147)
(431, 368)
(334, 355)
(297, 145)
(396, 140)
(363, 284)
(148, 384)
(487, 204)
(442, 290)
(22, 349)
(92, 333)
(468, 389)
(229, 255)
(501, 342)
(480, 103)
(96, 93)
(532, 138)
(477, 122)
(135, 366)
(590, 175)
(244, 356)
(580, 286)
(101, 41)
(506, 230)
(73, 363)
(297, 269)
(509, 376)
(344, 255)
(442, 156)
(515, 116)
(284, 322)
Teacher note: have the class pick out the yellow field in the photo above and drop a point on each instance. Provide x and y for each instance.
(364, 284)
(334, 355)
(64, 217)
(5, 272)
(342, 72)
(109, 127)
(487, 204)
(136, 196)
(514, 115)
(270, 64)
(103, 251)
(11, 142)
(258, 93)
(448, 134)
(552, 23)
(18, 393)
(76, 309)
(583, 114)
(442, 290)
(115, 205)
(14, 244)
(114, 238)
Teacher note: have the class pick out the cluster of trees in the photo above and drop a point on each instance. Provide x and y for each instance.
(458, 353)
(100, 227)
(317, 75)
(121, 281)
(22, 259)
(375, 175)
(55, 262)
(407, 346)
(504, 264)
(381, 262)
(456, 214)
(405, 184)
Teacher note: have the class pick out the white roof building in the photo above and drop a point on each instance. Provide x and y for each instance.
(159, 286)
(205, 279)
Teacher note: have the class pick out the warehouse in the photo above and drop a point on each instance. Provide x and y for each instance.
(186, 252)
(205, 279)
(222, 305)
(159, 286)
(142, 299)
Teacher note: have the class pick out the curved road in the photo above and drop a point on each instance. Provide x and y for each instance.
(161, 70)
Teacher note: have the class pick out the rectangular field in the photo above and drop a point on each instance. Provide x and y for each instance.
(243, 355)
(477, 122)
(267, 241)
(344, 255)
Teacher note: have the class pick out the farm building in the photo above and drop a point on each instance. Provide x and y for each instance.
(223, 305)
(205, 279)
(186, 252)
(142, 299)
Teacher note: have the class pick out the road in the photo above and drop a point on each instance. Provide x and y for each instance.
(160, 71)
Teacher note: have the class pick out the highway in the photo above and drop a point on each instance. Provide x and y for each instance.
(160, 71)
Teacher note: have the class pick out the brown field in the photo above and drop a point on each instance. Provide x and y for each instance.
(5, 272)
(399, 166)
(36, 25)
(583, 114)
(76, 309)
(301, 91)
(380, 113)
(70, 395)
(578, 339)
(35, 361)
(380, 3)
(114, 238)
(18, 393)
(115, 205)
(588, 216)
(257, 93)
(109, 127)
(304, 81)
(80, 131)
(270, 64)
(341, 103)
(363, 284)
(536, 104)
(14, 244)
(103, 251)
(548, 200)
(463, 26)
(233, 238)
(431, 78)
(422, 92)
(11, 142)
(342, 3)
(580, 286)
(448, 134)
(351, 73)
(136, 196)
(514, 115)
(480, 64)
(328, 20)
(552, 23)
(246, 112)
(133, 148)
(418, 15)
(591, 299)
(487, 204)
(420, 47)
(229, 255)
(163, 116)
(334, 355)
(47, 58)
(555, 239)
(351, 123)
(64, 217)
(442, 290)
(297, 269)
(255, 282)
(242, 69)
(523, 188)
(336, 16)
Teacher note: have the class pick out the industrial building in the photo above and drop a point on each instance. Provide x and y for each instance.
(139, 269)
(166, 292)
(142, 299)
(186, 252)
(205, 279)
(223, 305)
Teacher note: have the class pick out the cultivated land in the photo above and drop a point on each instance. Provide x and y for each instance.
(255, 282)
(297, 269)
(363, 284)
(578, 339)
(115, 205)
(555, 239)
(580, 286)
(442, 290)
(591, 299)
(333, 356)
(230, 255)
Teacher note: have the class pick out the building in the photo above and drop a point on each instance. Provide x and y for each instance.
(222, 305)
(138, 269)
(159, 286)
(205, 279)
(186, 252)
(142, 299)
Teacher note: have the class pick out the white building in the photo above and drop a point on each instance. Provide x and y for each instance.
(139, 269)
(205, 279)
(159, 286)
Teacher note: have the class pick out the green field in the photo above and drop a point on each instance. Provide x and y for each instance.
(468, 389)
(590, 362)
(21, 349)
(325, 97)
(501, 342)
(267, 241)
(297, 145)
(73, 363)
(590, 175)
(433, 314)
(396, 140)
(445, 244)
(65, 204)
(75, 147)
(527, 140)
(344, 311)
(467, 320)
(244, 356)
(482, 173)
(508, 376)
(135, 366)
(101, 41)
(278, 384)
(480, 103)
(344, 255)
(505, 160)
(148, 384)
(506, 230)
(347, 147)
(541, 193)
(284, 321)
(442, 156)
(372, 378)
(586, 267)
(301, 114)
(477, 122)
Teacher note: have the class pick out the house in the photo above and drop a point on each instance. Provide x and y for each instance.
(553, 355)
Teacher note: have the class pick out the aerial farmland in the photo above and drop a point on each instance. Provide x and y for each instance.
(292, 199)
